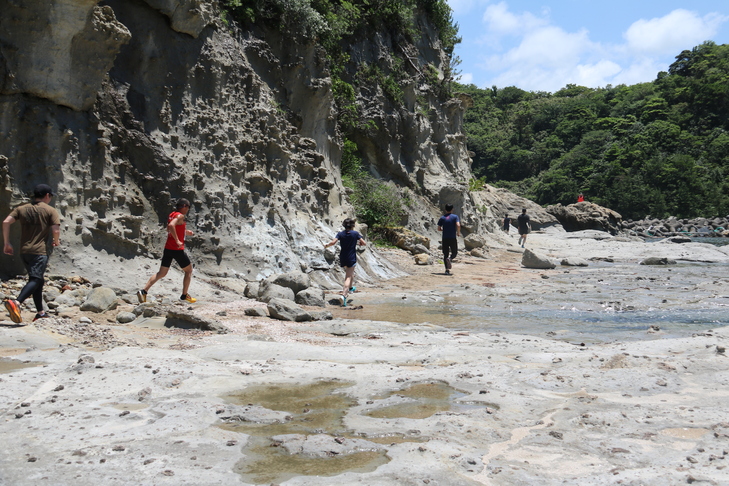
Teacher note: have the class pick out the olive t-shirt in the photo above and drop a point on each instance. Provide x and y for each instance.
(36, 219)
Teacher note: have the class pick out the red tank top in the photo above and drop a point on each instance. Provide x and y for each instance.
(180, 229)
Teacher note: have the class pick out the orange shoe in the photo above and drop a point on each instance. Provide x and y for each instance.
(187, 298)
(13, 308)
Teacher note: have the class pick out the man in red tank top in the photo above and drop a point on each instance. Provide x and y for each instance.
(174, 250)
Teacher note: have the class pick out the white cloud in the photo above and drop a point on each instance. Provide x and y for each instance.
(546, 57)
(672, 33)
(500, 21)
(465, 78)
(463, 6)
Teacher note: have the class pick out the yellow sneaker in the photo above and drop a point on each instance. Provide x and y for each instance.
(187, 298)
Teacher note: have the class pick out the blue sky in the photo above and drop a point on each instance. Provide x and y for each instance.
(544, 45)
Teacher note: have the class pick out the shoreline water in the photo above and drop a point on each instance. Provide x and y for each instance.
(145, 404)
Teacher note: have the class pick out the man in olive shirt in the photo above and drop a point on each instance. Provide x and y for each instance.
(37, 220)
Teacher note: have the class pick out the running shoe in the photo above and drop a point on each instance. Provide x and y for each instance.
(13, 308)
(41, 315)
(353, 289)
(448, 272)
(187, 298)
(142, 296)
(344, 302)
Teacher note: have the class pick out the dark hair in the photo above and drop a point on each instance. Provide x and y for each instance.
(349, 223)
(181, 203)
(523, 211)
(449, 207)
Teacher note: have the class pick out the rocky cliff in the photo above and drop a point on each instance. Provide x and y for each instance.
(126, 105)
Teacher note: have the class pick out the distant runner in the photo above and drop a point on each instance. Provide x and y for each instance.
(174, 250)
(349, 239)
(507, 223)
(450, 225)
(525, 227)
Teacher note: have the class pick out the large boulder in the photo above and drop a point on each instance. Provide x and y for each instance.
(101, 299)
(311, 296)
(406, 239)
(286, 310)
(178, 317)
(296, 281)
(268, 290)
(474, 241)
(532, 259)
(586, 216)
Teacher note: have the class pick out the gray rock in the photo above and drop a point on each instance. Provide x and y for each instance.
(100, 299)
(321, 316)
(125, 317)
(479, 253)
(311, 296)
(585, 216)
(71, 298)
(177, 317)
(256, 312)
(296, 281)
(149, 309)
(50, 293)
(473, 241)
(287, 310)
(574, 262)
(419, 249)
(680, 239)
(268, 291)
(423, 259)
(658, 261)
(251, 290)
(532, 259)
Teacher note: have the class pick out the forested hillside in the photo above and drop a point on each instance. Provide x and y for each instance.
(658, 148)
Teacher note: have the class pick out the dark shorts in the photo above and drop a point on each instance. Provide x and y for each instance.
(177, 255)
(35, 265)
(346, 263)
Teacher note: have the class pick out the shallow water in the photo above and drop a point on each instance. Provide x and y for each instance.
(601, 303)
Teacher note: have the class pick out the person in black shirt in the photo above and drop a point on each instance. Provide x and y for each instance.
(524, 226)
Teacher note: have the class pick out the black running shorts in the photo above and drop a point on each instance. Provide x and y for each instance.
(177, 255)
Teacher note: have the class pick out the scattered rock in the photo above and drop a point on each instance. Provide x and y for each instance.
(101, 299)
(532, 259)
(125, 317)
(287, 310)
(658, 261)
(574, 262)
(256, 312)
(311, 296)
(177, 317)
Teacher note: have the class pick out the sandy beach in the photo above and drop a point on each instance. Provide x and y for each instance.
(375, 400)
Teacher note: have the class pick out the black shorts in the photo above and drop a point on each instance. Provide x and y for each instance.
(35, 265)
(177, 255)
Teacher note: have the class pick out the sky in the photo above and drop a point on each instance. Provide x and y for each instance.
(543, 45)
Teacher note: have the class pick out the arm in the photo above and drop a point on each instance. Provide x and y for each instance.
(56, 231)
(361, 242)
(331, 243)
(458, 229)
(7, 247)
(171, 228)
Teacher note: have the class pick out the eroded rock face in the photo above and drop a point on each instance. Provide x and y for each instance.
(59, 50)
(586, 216)
(125, 107)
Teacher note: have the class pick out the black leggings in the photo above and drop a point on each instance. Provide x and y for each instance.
(34, 287)
(450, 247)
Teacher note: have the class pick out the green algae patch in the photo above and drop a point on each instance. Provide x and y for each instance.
(426, 399)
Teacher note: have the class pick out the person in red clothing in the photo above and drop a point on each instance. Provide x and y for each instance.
(580, 198)
(174, 250)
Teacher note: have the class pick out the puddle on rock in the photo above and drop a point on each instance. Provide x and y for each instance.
(316, 408)
(132, 407)
(267, 464)
(685, 433)
(428, 399)
(10, 365)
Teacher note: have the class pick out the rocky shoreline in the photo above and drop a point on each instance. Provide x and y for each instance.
(87, 399)
(673, 227)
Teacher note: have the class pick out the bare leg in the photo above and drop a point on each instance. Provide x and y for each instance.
(186, 279)
(156, 277)
(348, 279)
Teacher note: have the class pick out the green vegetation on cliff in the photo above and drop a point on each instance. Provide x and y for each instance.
(371, 53)
(658, 148)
